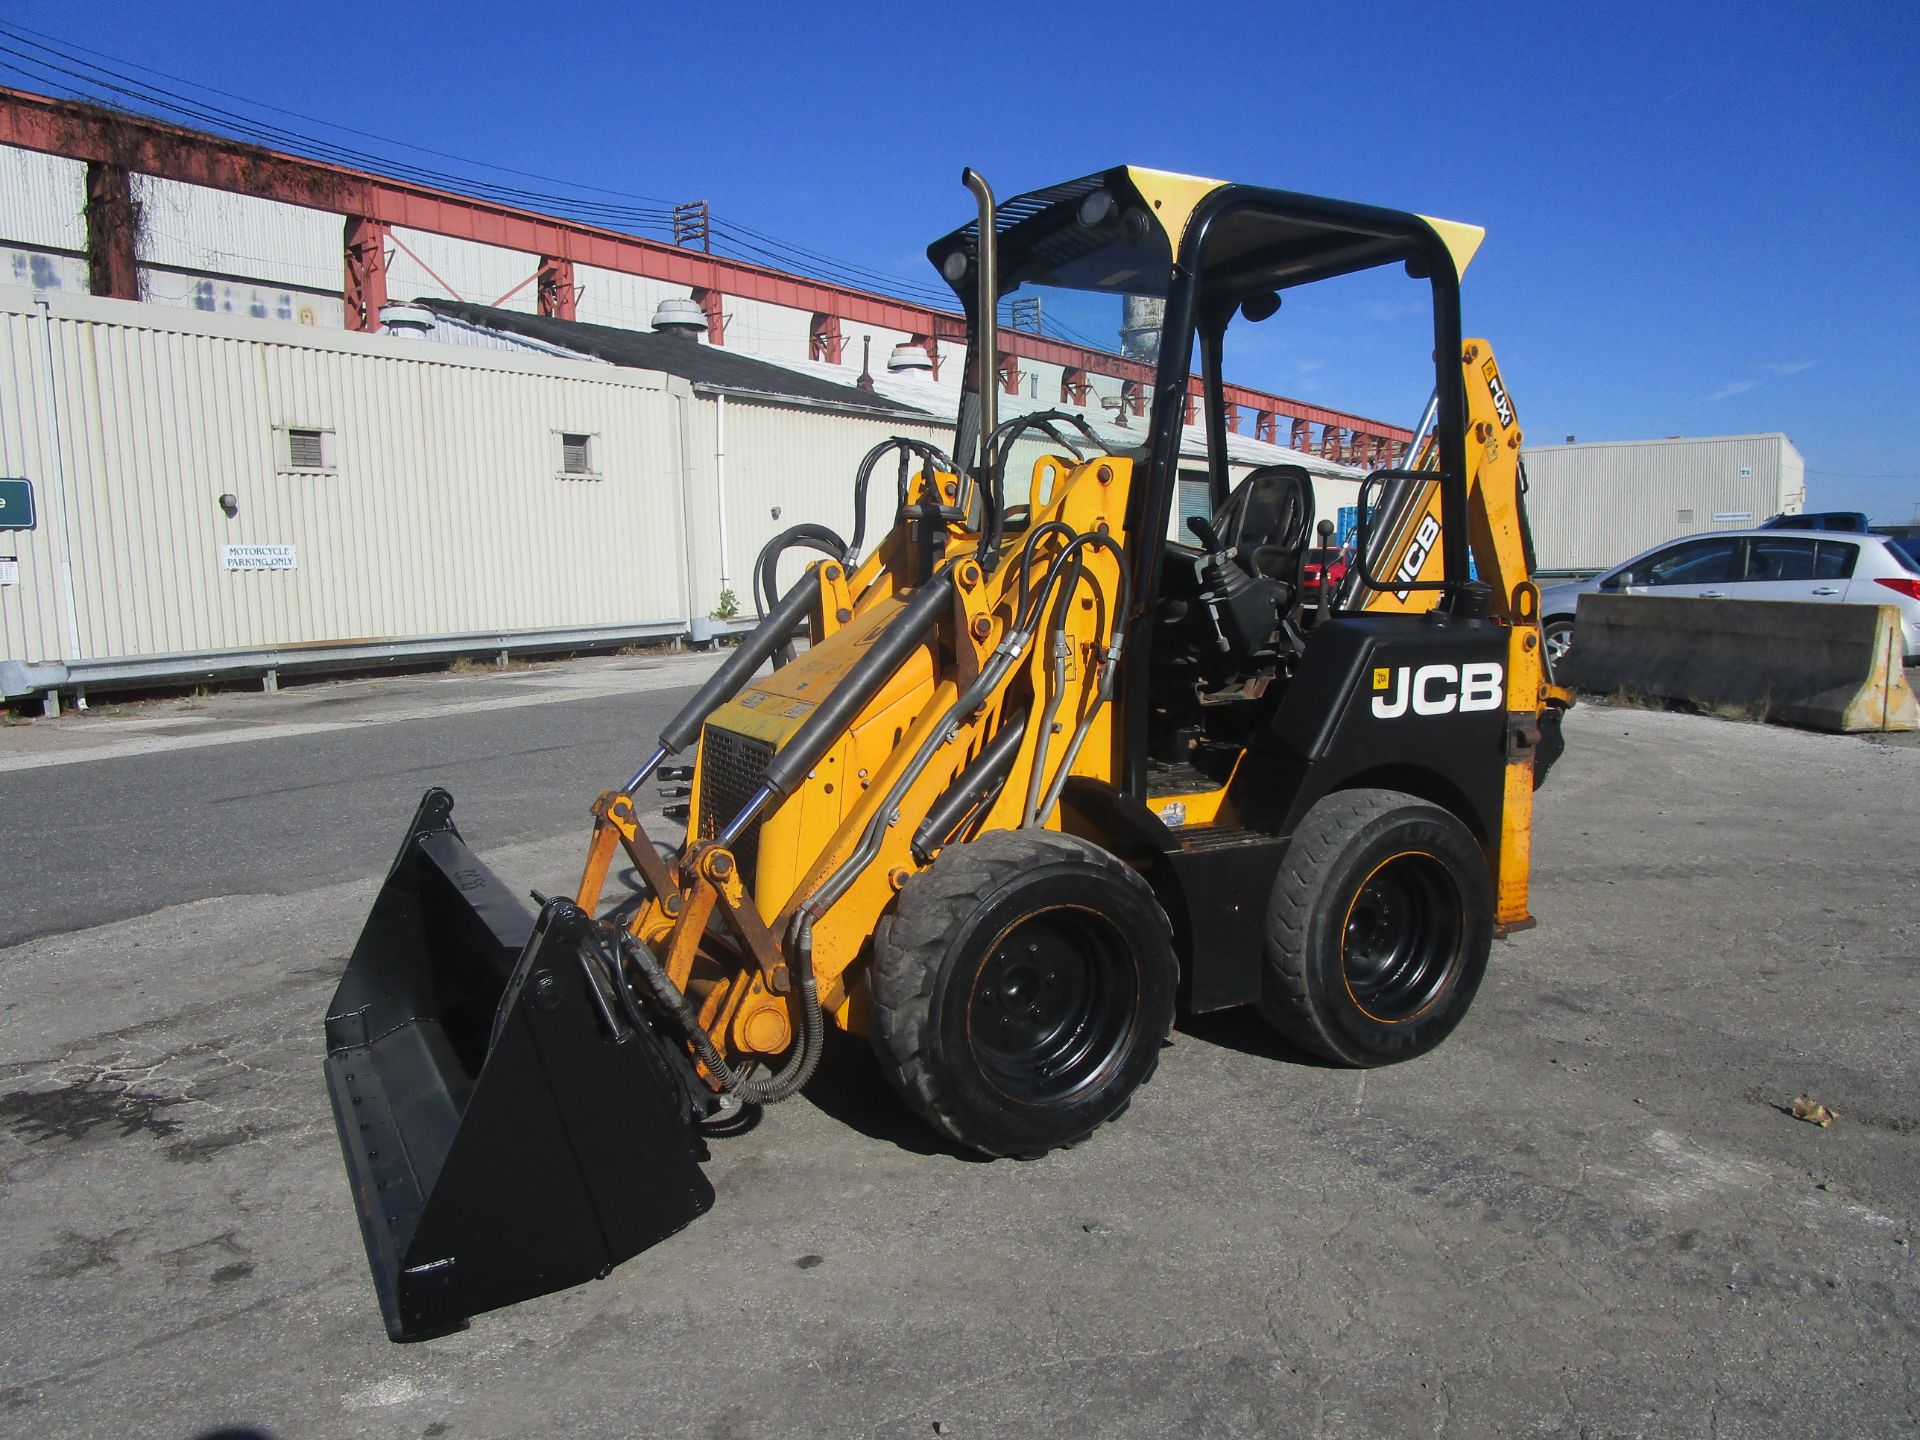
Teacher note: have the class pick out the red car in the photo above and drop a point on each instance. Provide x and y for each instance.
(1333, 562)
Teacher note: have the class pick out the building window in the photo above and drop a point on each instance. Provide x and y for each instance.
(1196, 499)
(577, 456)
(304, 448)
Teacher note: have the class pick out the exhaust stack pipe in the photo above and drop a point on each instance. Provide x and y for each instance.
(987, 268)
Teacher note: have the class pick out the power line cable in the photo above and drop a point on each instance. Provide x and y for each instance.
(20, 30)
(245, 127)
(782, 254)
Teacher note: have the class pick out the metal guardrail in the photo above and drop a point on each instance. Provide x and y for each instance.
(21, 681)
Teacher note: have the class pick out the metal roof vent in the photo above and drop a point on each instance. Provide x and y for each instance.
(909, 357)
(415, 322)
(680, 317)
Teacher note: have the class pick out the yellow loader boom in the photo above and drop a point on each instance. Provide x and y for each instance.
(1006, 807)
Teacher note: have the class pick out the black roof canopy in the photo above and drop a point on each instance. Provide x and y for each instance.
(707, 367)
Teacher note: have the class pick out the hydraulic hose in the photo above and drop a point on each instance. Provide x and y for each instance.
(931, 458)
(1057, 610)
(807, 1049)
(800, 1066)
(766, 572)
(994, 451)
(1108, 676)
(766, 582)
(662, 988)
(1005, 655)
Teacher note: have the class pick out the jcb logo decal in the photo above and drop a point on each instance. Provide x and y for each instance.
(1415, 559)
(1437, 689)
(1502, 404)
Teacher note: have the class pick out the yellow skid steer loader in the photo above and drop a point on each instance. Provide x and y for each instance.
(1044, 769)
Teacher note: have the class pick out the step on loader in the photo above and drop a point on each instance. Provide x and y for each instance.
(1046, 767)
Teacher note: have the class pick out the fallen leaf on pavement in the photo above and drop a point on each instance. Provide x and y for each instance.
(1813, 1112)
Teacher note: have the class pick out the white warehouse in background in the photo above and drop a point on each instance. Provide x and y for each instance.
(1594, 504)
(227, 496)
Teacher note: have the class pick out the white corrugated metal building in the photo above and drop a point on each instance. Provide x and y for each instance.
(227, 494)
(1594, 504)
(432, 513)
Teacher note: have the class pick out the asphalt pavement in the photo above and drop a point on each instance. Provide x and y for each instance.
(1590, 1213)
(271, 795)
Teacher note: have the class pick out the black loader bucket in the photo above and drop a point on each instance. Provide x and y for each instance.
(508, 1129)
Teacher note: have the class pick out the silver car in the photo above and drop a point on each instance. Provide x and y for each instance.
(1815, 565)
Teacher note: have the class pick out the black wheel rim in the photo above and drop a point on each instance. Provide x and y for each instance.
(1053, 1005)
(1402, 942)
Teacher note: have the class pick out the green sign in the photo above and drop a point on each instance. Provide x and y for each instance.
(16, 504)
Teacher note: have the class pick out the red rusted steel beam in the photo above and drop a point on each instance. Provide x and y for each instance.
(365, 288)
(152, 147)
(113, 264)
(824, 338)
(559, 297)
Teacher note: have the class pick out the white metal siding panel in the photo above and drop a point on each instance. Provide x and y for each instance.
(221, 296)
(42, 269)
(43, 200)
(608, 297)
(804, 462)
(218, 232)
(484, 274)
(1593, 505)
(755, 327)
(446, 513)
(29, 611)
(1792, 496)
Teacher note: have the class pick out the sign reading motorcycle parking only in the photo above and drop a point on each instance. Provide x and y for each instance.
(259, 557)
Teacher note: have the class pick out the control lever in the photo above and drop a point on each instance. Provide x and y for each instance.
(1208, 536)
(1224, 578)
(1242, 608)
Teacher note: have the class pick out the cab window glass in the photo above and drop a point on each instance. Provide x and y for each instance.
(1835, 560)
(1699, 562)
(1774, 560)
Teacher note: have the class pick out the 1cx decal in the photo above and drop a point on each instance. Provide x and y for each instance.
(1436, 689)
(1415, 560)
(1502, 402)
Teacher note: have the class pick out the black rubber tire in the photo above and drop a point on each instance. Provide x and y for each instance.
(942, 970)
(1368, 864)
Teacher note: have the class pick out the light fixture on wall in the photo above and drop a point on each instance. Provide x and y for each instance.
(230, 503)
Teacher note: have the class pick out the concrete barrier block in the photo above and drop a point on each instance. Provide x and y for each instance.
(1825, 667)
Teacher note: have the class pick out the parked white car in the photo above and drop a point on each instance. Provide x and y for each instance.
(1815, 565)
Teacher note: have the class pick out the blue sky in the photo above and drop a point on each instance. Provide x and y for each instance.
(1699, 214)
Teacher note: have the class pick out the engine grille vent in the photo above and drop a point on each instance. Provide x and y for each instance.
(730, 769)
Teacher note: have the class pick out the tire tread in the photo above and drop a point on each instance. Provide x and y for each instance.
(909, 945)
(1306, 872)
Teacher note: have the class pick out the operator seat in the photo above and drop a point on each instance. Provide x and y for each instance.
(1269, 519)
